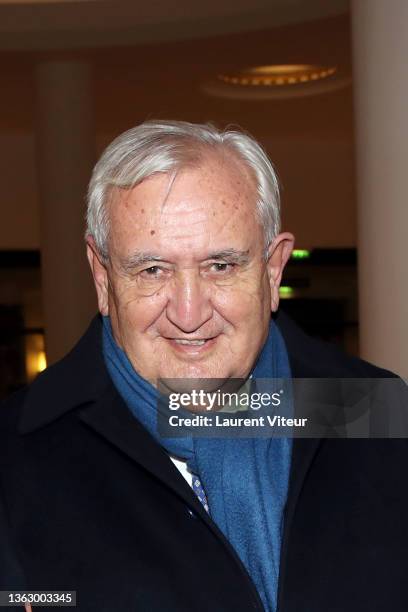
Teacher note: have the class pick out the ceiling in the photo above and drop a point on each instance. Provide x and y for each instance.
(40, 24)
(150, 62)
(165, 79)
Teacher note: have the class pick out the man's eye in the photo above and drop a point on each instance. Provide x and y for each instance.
(222, 267)
(152, 271)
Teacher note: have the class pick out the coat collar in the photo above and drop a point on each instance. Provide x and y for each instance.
(79, 378)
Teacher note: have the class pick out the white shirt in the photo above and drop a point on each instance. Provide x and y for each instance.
(181, 465)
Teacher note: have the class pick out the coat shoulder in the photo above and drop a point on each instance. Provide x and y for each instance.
(10, 410)
(313, 357)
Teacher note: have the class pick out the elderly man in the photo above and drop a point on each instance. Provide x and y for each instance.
(184, 246)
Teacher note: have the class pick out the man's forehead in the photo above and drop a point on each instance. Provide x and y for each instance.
(190, 213)
(218, 179)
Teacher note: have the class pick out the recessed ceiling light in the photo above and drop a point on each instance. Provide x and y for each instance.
(278, 75)
(278, 81)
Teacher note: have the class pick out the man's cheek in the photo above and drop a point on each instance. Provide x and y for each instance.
(239, 298)
(140, 314)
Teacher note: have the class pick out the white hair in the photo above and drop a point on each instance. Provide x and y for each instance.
(166, 147)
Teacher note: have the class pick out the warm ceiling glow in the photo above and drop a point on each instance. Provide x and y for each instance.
(277, 75)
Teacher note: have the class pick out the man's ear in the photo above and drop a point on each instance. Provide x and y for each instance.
(100, 275)
(279, 253)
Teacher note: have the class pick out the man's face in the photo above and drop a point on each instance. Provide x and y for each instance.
(187, 287)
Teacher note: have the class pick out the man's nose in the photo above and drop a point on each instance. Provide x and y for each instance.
(189, 305)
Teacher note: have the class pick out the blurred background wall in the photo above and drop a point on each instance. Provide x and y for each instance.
(77, 73)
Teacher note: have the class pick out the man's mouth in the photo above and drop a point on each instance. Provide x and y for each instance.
(190, 342)
(191, 347)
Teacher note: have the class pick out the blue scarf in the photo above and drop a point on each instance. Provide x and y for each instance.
(245, 479)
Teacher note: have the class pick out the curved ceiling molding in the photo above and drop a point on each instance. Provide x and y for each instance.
(42, 24)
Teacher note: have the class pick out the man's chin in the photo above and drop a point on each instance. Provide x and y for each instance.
(225, 384)
(184, 385)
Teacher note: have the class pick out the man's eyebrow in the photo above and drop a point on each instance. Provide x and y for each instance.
(232, 255)
(138, 258)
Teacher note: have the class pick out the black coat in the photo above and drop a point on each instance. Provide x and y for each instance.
(90, 502)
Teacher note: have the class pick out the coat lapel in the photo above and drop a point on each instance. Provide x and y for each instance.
(111, 419)
(303, 452)
(303, 449)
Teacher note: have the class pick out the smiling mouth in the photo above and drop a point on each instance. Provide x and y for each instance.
(186, 346)
(190, 342)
